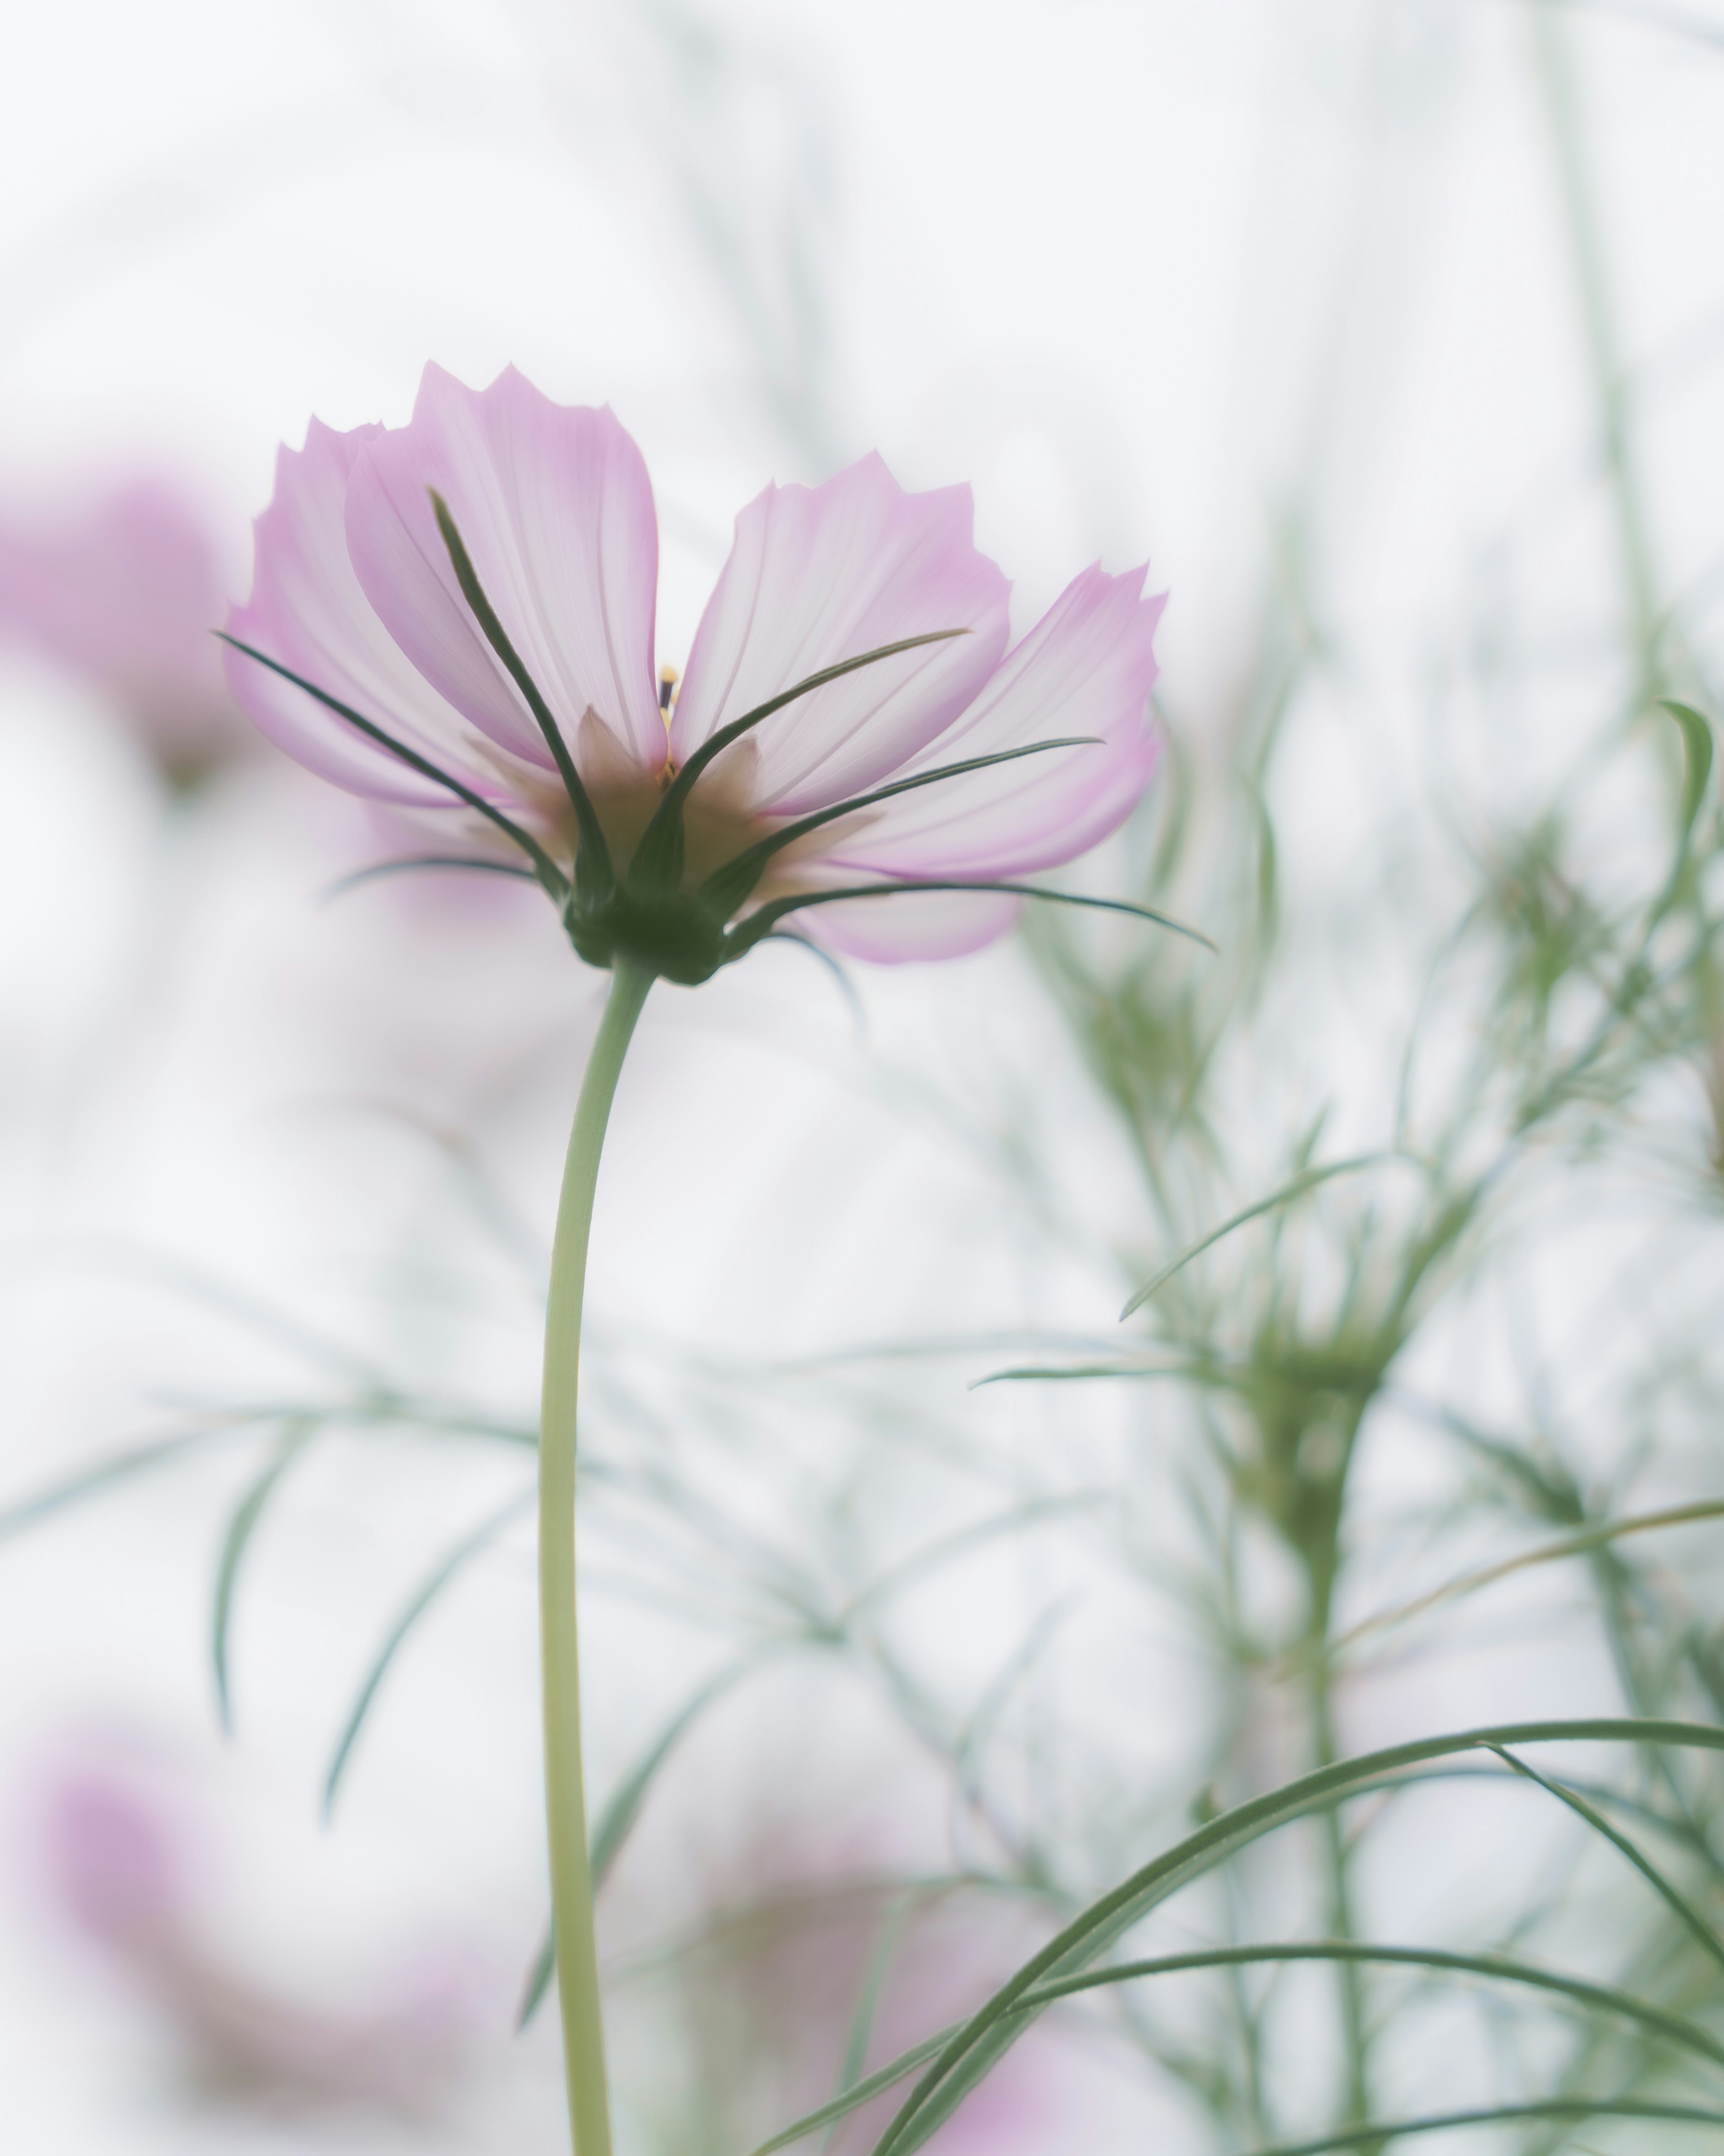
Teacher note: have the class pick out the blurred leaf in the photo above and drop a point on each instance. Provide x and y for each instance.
(1593, 1538)
(1697, 757)
(624, 1807)
(1578, 2108)
(1642, 1863)
(968, 2056)
(241, 1528)
(1285, 1196)
(90, 1481)
(863, 2092)
(453, 1562)
(1503, 1969)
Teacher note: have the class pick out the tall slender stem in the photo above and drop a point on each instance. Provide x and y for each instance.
(565, 1793)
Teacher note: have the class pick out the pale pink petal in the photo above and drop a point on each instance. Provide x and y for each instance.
(821, 574)
(1087, 668)
(127, 593)
(307, 610)
(556, 511)
(915, 925)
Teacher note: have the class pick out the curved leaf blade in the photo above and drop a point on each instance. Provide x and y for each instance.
(452, 1562)
(1285, 1196)
(998, 2024)
(241, 1528)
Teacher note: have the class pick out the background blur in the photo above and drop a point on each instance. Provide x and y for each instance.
(1391, 332)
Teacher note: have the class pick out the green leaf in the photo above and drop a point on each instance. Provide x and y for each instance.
(662, 838)
(538, 1980)
(1503, 1969)
(594, 875)
(343, 885)
(860, 2093)
(1578, 2108)
(623, 1806)
(1059, 1372)
(934, 1556)
(1285, 1196)
(881, 1956)
(1672, 1895)
(91, 1482)
(241, 1528)
(969, 2055)
(1582, 1544)
(743, 938)
(549, 873)
(727, 887)
(1697, 756)
(454, 1561)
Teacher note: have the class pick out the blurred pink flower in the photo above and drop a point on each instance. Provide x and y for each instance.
(119, 1863)
(358, 595)
(126, 593)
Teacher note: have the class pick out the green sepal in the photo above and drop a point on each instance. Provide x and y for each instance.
(594, 875)
(552, 877)
(764, 919)
(657, 860)
(378, 870)
(728, 887)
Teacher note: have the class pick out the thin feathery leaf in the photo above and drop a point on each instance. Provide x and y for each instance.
(377, 870)
(1503, 1969)
(881, 1955)
(454, 1561)
(17, 1519)
(983, 2040)
(768, 917)
(549, 873)
(1669, 1892)
(933, 1558)
(235, 1542)
(1576, 2108)
(1576, 1545)
(859, 2093)
(1697, 760)
(538, 1980)
(1043, 1373)
(622, 1809)
(830, 960)
(727, 887)
(593, 871)
(1285, 1196)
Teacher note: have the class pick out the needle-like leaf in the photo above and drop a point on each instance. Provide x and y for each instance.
(241, 1528)
(725, 888)
(765, 918)
(550, 875)
(378, 870)
(454, 1561)
(1285, 1196)
(593, 872)
(660, 842)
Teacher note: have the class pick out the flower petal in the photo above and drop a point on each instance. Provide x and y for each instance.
(1087, 668)
(307, 610)
(818, 575)
(899, 930)
(556, 510)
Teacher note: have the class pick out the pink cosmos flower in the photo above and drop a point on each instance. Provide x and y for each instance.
(123, 592)
(121, 1863)
(457, 616)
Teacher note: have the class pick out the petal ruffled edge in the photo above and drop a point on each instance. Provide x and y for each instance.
(307, 610)
(1085, 668)
(818, 575)
(554, 508)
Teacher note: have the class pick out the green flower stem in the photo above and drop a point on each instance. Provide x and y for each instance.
(565, 1795)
